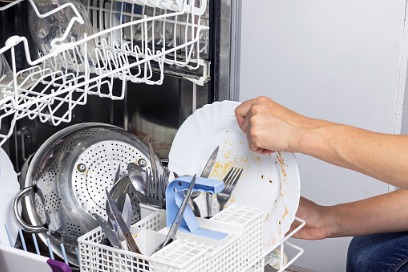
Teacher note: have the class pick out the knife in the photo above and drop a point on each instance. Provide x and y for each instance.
(117, 217)
(206, 172)
(179, 216)
(210, 163)
(127, 210)
(109, 233)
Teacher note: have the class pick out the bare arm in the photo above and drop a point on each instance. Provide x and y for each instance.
(378, 214)
(272, 127)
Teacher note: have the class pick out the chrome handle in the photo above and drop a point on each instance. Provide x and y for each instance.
(20, 220)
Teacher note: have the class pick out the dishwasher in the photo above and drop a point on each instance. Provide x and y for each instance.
(119, 80)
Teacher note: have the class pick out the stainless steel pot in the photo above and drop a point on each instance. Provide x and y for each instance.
(66, 180)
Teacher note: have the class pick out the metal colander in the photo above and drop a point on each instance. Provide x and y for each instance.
(66, 179)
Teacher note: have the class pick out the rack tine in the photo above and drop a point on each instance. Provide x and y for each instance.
(9, 236)
(37, 249)
(23, 243)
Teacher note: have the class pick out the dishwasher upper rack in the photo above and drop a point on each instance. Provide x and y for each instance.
(53, 84)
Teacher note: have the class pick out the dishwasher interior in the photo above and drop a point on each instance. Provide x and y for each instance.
(145, 67)
(150, 96)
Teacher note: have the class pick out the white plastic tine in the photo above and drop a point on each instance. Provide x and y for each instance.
(23, 243)
(64, 253)
(9, 236)
(50, 250)
(37, 249)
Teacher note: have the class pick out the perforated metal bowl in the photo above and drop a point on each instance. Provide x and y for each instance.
(66, 179)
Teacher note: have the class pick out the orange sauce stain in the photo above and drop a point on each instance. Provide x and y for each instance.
(282, 164)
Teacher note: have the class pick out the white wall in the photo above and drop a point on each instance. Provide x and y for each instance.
(334, 60)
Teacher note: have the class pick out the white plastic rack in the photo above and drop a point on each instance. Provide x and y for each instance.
(134, 40)
(241, 250)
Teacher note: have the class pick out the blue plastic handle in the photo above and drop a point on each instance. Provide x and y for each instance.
(175, 196)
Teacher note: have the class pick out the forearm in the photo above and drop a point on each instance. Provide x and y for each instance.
(384, 213)
(271, 127)
(382, 156)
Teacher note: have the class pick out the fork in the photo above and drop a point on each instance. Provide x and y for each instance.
(230, 180)
(156, 189)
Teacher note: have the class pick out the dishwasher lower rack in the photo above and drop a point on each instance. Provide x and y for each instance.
(241, 250)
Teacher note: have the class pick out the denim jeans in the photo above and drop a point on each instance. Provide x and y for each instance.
(386, 252)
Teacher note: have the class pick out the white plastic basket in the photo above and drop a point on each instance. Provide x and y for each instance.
(241, 250)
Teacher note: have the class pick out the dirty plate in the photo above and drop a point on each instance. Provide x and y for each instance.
(269, 182)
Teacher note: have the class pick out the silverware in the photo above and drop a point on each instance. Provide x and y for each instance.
(121, 198)
(109, 233)
(127, 210)
(125, 207)
(179, 216)
(156, 189)
(210, 163)
(117, 217)
(119, 191)
(137, 176)
(118, 196)
(153, 164)
(230, 180)
(155, 184)
(206, 172)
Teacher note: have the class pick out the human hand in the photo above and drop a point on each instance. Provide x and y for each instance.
(318, 219)
(269, 126)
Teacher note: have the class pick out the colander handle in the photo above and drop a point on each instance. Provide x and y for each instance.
(17, 215)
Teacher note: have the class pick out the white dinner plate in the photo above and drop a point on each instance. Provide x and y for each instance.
(9, 189)
(268, 182)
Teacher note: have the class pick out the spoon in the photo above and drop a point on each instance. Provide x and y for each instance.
(136, 176)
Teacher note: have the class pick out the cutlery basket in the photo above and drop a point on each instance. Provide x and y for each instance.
(241, 250)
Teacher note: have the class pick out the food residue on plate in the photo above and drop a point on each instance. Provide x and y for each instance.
(220, 170)
(282, 165)
(266, 218)
(285, 212)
